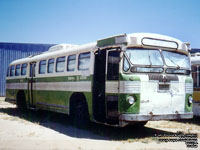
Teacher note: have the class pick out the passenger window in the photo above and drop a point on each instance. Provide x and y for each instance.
(23, 69)
(84, 61)
(42, 67)
(60, 64)
(50, 65)
(12, 71)
(17, 70)
(113, 65)
(71, 63)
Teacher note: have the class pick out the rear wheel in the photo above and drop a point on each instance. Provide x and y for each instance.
(21, 101)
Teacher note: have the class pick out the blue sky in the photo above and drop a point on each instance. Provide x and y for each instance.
(83, 21)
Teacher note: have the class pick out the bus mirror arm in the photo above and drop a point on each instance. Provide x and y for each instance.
(98, 52)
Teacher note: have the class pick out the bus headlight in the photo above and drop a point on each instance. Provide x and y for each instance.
(190, 99)
(131, 100)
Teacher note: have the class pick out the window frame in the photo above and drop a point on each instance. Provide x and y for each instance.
(22, 67)
(68, 60)
(18, 69)
(84, 58)
(12, 74)
(48, 64)
(109, 75)
(41, 61)
(63, 61)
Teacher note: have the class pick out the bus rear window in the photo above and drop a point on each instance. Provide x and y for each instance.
(84, 61)
(60, 64)
(23, 69)
(12, 71)
(42, 67)
(8, 71)
(17, 70)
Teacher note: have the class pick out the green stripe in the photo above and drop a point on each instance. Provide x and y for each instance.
(125, 107)
(106, 42)
(188, 80)
(53, 79)
(187, 107)
(128, 77)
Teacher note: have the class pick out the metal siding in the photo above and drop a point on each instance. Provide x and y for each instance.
(195, 50)
(13, 51)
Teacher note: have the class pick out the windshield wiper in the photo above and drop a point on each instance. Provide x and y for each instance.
(150, 60)
(177, 66)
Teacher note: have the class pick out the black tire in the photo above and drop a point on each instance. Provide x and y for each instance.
(21, 101)
(136, 125)
(140, 124)
(79, 114)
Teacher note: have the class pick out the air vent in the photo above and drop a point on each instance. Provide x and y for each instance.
(163, 78)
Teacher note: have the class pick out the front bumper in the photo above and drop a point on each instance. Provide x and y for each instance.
(154, 117)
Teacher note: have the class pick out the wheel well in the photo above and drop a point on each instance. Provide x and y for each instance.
(20, 95)
(75, 99)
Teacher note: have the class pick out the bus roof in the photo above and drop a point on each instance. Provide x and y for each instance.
(146, 40)
(59, 52)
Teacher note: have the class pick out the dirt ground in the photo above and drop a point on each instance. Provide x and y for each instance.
(47, 130)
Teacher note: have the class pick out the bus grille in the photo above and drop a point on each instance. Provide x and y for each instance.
(189, 88)
(163, 78)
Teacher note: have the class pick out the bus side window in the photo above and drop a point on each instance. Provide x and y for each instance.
(8, 71)
(17, 70)
(50, 68)
(60, 64)
(12, 71)
(113, 65)
(71, 63)
(23, 69)
(194, 75)
(42, 67)
(84, 61)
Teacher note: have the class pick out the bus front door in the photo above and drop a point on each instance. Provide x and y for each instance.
(31, 85)
(106, 85)
(112, 86)
(99, 86)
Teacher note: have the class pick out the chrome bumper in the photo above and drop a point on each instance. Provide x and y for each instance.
(154, 117)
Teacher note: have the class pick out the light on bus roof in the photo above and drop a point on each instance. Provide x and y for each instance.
(159, 43)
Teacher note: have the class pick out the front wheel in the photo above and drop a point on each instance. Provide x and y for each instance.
(80, 114)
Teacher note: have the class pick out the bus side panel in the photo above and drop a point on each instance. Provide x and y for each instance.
(53, 100)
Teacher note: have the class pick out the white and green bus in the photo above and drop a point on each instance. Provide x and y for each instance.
(195, 62)
(119, 80)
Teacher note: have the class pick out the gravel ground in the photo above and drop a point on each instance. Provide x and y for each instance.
(47, 130)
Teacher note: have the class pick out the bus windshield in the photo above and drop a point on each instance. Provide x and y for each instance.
(144, 57)
(178, 60)
(152, 60)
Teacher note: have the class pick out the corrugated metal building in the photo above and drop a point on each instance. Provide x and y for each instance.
(13, 51)
(195, 50)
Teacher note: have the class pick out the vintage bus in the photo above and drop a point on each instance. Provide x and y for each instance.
(119, 80)
(195, 61)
